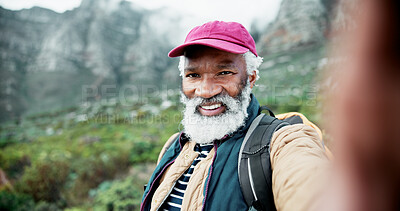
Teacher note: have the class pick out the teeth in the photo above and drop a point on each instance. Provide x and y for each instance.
(212, 107)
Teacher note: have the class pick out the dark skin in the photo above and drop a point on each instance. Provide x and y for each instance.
(209, 72)
(366, 110)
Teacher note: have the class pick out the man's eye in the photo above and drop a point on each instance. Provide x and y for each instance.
(192, 75)
(225, 73)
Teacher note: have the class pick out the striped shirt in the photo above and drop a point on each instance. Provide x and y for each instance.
(174, 200)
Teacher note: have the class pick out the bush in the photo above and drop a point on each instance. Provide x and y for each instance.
(90, 172)
(142, 151)
(44, 180)
(14, 164)
(118, 195)
(15, 201)
(45, 206)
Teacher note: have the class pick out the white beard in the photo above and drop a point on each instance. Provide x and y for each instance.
(205, 129)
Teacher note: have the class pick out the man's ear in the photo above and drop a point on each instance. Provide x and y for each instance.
(252, 78)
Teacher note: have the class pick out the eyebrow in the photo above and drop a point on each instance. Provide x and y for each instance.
(225, 66)
(190, 69)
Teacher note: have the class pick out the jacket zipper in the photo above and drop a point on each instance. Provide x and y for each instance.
(152, 184)
(161, 173)
(209, 176)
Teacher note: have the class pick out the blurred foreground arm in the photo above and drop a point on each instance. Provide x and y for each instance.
(299, 165)
(366, 107)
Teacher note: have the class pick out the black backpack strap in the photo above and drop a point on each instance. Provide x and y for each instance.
(269, 110)
(254, 165)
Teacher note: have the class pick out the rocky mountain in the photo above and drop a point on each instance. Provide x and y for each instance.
(47, 58)
(299, 23)
(115, 48)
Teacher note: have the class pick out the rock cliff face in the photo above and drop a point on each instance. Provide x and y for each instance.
(21, 36)
(47, 58)
(299, 23)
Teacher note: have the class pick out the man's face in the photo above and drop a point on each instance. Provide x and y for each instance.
(216, 93)
(209, 72)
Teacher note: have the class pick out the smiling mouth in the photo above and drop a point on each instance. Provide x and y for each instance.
(212, 109)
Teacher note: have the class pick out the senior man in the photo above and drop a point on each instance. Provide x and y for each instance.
(198, 168)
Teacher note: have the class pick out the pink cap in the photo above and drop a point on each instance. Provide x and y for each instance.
(226, 36)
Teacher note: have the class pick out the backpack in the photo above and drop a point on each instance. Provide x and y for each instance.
(254, 164)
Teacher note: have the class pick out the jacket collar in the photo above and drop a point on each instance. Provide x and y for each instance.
(252, 111)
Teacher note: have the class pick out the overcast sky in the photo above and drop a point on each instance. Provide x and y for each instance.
(228, 10)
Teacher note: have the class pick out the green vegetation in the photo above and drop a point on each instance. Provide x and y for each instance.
(124, 194)
(15, 201)
(59, 160)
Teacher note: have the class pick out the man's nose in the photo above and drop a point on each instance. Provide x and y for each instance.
(208, 88)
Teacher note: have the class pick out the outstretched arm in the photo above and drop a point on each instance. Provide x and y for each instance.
(299, 167)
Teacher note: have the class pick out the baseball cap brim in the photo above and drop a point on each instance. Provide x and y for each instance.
(214, 43)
